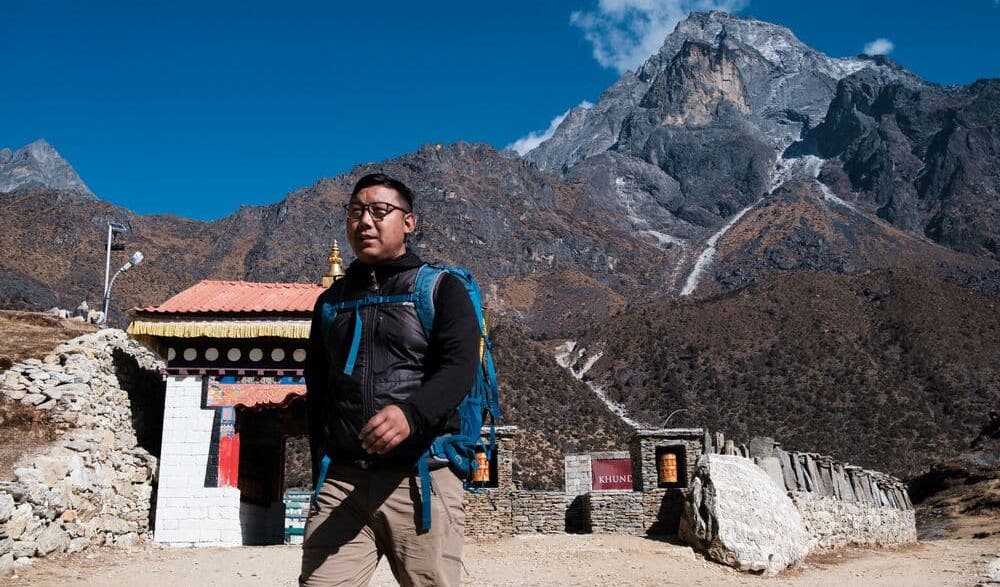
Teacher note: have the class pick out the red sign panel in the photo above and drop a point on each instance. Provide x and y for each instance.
(611, 474)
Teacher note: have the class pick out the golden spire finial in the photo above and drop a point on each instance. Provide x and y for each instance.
(336, 268)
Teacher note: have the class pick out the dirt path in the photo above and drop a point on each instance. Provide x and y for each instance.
(563, 560)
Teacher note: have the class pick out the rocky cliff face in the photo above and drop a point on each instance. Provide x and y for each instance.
(920, 156)
(784, 82)
(38, 165)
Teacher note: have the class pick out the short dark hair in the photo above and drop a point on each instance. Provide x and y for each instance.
(373, 179)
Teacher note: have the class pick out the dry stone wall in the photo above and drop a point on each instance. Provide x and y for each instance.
(92, 486)
(540, 512)
(615, 512)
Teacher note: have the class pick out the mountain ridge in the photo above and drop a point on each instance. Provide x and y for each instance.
(39, 165)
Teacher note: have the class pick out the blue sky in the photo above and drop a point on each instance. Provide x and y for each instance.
(196, 108)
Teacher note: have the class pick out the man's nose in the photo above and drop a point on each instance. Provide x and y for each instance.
(366, 220)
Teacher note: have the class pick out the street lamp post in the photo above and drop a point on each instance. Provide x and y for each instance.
(671, 416)
(132, 262)
(113, 227)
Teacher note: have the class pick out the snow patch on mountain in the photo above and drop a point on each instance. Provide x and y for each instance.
(574, 359)
(705, 258)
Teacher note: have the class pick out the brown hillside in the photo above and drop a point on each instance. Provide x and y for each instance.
(887, 370)
(556, 413)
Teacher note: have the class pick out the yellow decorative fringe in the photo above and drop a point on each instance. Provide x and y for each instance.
(220, 329)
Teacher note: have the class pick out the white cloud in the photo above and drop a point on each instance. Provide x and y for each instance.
(880, 46)
(534, 138)
(625, 33)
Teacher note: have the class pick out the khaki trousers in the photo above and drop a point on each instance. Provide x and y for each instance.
(360, 516)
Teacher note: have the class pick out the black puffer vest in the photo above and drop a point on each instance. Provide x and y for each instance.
(388, 369)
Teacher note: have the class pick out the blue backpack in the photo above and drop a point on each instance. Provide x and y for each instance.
(482, 401)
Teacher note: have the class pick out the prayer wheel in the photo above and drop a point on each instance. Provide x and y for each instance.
(482, 472)
(667, 467)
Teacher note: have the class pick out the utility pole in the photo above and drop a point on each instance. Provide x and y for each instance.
(113, 227)
(136, 258)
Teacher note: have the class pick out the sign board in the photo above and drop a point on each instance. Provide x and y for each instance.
(611, 474)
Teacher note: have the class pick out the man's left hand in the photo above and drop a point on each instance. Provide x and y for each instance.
(385, 430)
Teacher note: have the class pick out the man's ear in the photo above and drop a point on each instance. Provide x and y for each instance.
(409, 222)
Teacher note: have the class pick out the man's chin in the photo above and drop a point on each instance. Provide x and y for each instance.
(371, 255)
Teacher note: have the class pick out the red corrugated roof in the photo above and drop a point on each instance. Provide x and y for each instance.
(228, 297)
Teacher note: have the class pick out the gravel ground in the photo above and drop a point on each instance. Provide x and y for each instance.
(563, 560)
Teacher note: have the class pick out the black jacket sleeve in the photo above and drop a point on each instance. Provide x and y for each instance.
(317, 372)
(454, 349)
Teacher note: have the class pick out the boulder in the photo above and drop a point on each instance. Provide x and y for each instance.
(6, 563)
(15, 393)
(129, 540)
(772, 466)
(52, 540)
(737, 515)
(52, 468)
(78, 544)
(19, 521)
(23, 548)
(6, 507)
(82, 310)
(33, 399)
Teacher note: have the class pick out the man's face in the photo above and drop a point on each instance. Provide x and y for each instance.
(374, 240)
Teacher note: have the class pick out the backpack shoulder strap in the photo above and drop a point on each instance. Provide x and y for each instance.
(428, 277)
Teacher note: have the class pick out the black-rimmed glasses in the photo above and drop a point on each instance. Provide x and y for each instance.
(378, 210)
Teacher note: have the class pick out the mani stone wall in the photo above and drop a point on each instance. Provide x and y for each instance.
(840, 504)
(93, 485)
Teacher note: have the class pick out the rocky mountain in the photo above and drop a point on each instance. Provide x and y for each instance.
(729, 109)
(38, 165)
(920, 156)
(733, 195)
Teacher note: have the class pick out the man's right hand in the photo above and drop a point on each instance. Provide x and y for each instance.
(385, 430)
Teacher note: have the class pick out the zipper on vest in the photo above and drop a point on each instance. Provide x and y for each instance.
(372, 313)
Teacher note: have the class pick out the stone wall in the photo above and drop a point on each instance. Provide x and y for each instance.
(92, 486)
(615, 512)
(643, 450)
(833, 523)
(540, 512)
(489, 514)
(662, 510)
(489, 511)
(579, 473)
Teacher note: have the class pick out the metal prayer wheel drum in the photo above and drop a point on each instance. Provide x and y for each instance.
(666, 467)
(482, 472)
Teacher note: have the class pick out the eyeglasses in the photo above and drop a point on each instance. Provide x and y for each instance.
(378, 210)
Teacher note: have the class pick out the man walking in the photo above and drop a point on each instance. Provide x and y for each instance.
(379, 391)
